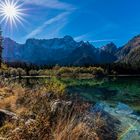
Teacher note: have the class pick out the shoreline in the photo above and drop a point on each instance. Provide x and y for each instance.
(44, 76)
(128, 75)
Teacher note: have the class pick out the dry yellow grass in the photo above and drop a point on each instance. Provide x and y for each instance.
(65, 124)
(72, 130)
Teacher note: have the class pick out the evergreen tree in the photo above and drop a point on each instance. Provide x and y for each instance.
(1, 48)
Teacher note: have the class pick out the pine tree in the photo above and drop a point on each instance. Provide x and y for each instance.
(1, 48)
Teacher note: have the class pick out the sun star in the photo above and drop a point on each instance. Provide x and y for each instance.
(11, 11)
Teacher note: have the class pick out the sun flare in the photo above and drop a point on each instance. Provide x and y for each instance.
(11, 11)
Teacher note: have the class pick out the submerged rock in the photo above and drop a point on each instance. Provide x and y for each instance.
(133, 134)
(123, 109)
(129, 127)
(100, 107)
(110, 124)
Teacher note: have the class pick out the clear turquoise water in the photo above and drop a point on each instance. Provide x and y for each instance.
(111, 90)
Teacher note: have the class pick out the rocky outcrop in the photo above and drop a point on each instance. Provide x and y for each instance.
(7, 116)
(58, 105)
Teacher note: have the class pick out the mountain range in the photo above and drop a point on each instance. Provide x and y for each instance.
(67, 51)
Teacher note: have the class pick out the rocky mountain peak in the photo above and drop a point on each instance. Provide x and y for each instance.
(110, 48)
(68, 38)
(67, 51)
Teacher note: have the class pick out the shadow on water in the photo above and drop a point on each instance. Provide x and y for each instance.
(93, 94)
(30, 82)
(107, 93)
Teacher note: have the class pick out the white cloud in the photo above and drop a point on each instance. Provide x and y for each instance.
(56, 21)
(102, 40)
(51, 21)
(54, 4)
(82, 37)
(85, 37)
(56, 30)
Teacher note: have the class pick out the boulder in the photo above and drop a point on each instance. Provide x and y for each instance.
(104, 110)
(1, 97)
(29, 122)
(6, 116)
(60, 104)
(16, 130)
(99, 116)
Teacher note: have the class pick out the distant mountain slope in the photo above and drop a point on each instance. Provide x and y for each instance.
(87, 54)
(83, 55)
(66, 51)
(126, 49)
(130, 53)
(39, 51)
(11, 50)
(132, 58)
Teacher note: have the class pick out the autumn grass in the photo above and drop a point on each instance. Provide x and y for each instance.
(37, 121)
(54, 71)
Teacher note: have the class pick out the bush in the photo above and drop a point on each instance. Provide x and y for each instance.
(76, 71)
(33, 73)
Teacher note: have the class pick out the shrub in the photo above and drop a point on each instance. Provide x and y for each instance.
(33, 72)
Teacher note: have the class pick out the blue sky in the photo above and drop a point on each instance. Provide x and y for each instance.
(97, 21)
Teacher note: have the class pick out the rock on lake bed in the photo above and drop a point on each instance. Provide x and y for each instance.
(129, 128)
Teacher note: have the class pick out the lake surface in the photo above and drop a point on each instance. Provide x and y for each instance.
(111, 90)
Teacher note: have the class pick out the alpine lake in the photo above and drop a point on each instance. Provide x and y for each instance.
(112, 90)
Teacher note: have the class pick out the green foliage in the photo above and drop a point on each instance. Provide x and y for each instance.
(11, 72)
(55, 86)
(76, 71)
(33, 72)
